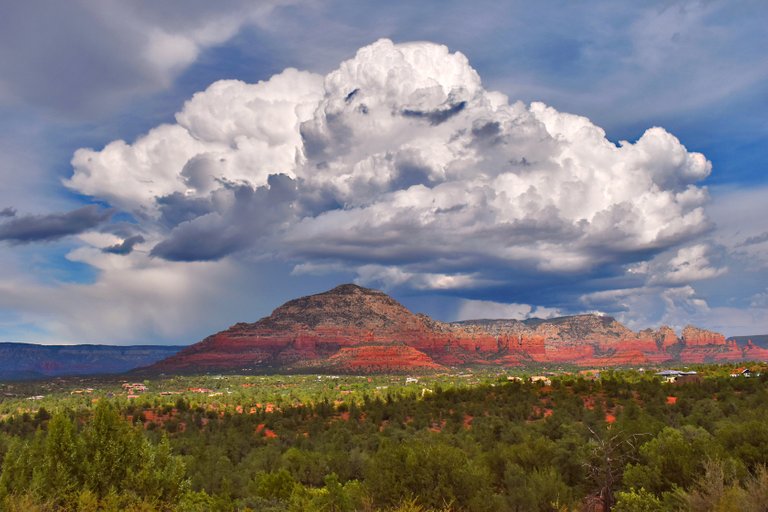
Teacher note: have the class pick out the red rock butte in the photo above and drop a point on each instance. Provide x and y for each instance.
(351, 329)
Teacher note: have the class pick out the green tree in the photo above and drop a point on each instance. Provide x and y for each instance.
(431, 470)
(334, 499)
(19, 465)
(519, 497)
(746, 440)
(274, 486)
(59, 476)
(674, 458)
(157, 475)
(637, 501)
(110, 450)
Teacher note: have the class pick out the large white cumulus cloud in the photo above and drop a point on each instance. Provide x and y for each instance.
(399, 160)
(233, 131)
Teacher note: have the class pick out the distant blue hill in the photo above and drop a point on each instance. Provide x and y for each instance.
(27, 361)
(761, 340)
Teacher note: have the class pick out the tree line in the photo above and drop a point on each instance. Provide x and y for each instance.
(624, 442)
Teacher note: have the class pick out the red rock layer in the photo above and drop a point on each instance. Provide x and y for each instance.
(695, 337)
(355, 329)
(382, 358)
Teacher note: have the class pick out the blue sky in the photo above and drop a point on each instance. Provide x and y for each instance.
(266, 229)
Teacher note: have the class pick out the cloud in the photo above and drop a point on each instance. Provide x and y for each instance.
(759, 300)
(757, 239)
(400, 160)
(484, 309)
(161, 299)
(169, 302)
(639, 62)
(647, 306)
(44, 228)
(679, 306)
(126, 246)
(688, 265)
(101, 52)
(8, 212)
(390, 277)
(233, 133)
(738, 212)
(250, 215)
(401, 169)
(627, 68)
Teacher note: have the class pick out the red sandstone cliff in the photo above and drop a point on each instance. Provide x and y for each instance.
(328, 330)
(356, 329)
(695, 337)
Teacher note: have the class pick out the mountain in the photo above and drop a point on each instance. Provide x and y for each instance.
(355, 329)
(761, 340)
(24, 361)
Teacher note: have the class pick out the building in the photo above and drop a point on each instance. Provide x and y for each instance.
(134, 387)
(741, 372)
(679, 377)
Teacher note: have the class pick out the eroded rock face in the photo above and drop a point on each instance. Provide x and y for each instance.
(358, 330)
(328, 330)
(695, 337)
(664, 337)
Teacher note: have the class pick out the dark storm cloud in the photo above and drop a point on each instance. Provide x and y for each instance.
(177, 208)
(43, 228)
(125, 247)
(254, 214)
(207, 238)
(8, 212)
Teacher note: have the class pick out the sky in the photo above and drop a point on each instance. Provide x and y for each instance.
(169, 169)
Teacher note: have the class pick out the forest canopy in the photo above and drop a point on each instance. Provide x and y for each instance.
(623, 441)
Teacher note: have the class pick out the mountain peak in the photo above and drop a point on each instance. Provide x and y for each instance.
(345, 305)
(356, 329)
(352, 289)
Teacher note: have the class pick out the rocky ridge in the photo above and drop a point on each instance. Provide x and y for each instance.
(26, 361)
(358, 330)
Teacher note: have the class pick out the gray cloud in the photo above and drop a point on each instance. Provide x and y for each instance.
(100, 52)
(753, 240)
(8, 212)
(125, 247)
(43, 228)
(177, 208)
(252, 215)
(437, 116)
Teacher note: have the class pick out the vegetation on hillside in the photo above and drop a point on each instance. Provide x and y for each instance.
(624, 441)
